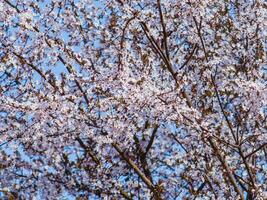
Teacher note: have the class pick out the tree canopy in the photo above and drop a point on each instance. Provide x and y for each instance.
(133, 99)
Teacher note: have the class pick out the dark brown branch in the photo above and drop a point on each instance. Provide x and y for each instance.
(199, 189)
(24, 61)
(211, 187)
(70, 70)
(241, 182)
(138, 171)
(13, 6)
(125, 194)
(142, 156)
(200, 37)
(189, 57)
(120, 2)
(150, 143)
(246, 166)
(174, 137)
(222, 109)
(226, 168)
(165, 35)
(232, 146)
(87, 150)
(122, 40)
(157, 48)
(256, 150)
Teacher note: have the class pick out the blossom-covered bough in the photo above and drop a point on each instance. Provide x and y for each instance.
(121, 99)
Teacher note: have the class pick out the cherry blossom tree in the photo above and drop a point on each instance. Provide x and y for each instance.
(133, 99)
